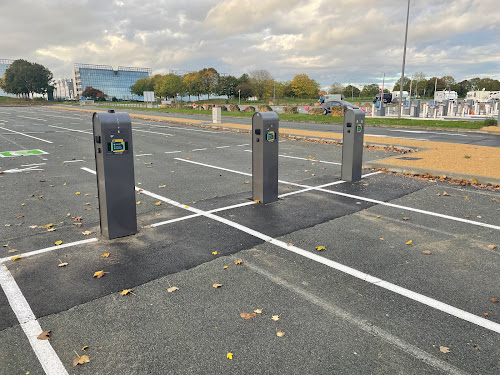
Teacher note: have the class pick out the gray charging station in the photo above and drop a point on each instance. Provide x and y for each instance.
(114, 161)
(415, 109)
(352, 145)
(265, 130)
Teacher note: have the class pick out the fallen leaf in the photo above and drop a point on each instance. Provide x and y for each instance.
(58, 242)
(445, 194)
(17, 257)
(77, 218)
(426, 252)
(275, 318)
(214, 252)
(492, 247)
(77, 193)
(124, 292)
(217, 285)
(225, 267)
(81, 360)
(84, 348)
(229, 355)
(12, 250)
(257, 201)
(247, 316)
(158, 203)
(378, 216)
(51, 229)
(289, 244)
(6, 245)
(405, 218)
(45, 335)
(19, 216)
(246, 182)
(172, 289)
(33, 226)
(444, 349)
(22, 204)
(238, 262)
(62, 264)
(87, 232)
(186, 207)
(409, 242)
(99, 274)
(474, 181)
(162, 186)
(485, 314)
(280, 333)
(494, 300)
(382, 239)
(319, 248)
(258, 311)
(87, 204)
(105, 255)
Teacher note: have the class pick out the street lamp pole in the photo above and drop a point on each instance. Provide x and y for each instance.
(404, 59)
(239, 96)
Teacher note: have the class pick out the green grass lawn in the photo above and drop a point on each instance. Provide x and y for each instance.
(330, 119)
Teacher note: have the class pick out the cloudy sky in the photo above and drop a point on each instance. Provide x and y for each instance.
(347, 41)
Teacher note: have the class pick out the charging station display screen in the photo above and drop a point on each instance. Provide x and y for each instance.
(270, 136)
(117, 145)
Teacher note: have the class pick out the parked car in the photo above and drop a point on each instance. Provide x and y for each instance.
(387, 98)
(336, 103)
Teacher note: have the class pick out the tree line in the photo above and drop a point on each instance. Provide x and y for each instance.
(208, 81)
(24, 79)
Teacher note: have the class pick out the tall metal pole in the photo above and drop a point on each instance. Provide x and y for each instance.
(404, 59)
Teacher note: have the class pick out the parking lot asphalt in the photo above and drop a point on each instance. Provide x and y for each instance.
(405, 280)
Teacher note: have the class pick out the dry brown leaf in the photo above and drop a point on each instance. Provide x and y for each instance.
(45, 335)
(258, 311)
(246, 182)
(444, 349)
(99, 274)
(19, 216)
(494, 300)
(12, 250)
(445, 194)
(87, 232)
(81, 360)
(275, 318)
(247, 316)
(382, 239)
(280, 333)
(485, 314)
(492, 247)
(217, 285)
(405, 218)
(77, 218)
(426, 252)
(172, 289)
(105, 255)
(162, 186)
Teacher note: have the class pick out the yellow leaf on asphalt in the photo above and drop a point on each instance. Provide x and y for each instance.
(444, 349)
(229, 355)
(275, 318)
(247, 316)
(45, 335)
(81, 360)
(105, 255)
(138, 202)
(33, 226)
(51, 229)
(492, 247)
(319, 248)
(214, 252)
(99, 274)
(238, 262)
(12, 250)
(85, 348)
(17, 257)
(124, 292)
(446, 194)
(158, 203)
(48, 225)
(217, 285)
(77, 193)
(186, 207)
(257, 201)
(258, 311)
(87, 232)
(224, 268)
(474, 181)
(162, 186)
(172, 289)
(58, 242)
(280, 333)
(378, 216)
(22, 204)
(382, 239)
(409, 242)
(62, 264)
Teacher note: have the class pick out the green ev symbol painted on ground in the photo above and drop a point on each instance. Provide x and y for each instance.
(10, 154)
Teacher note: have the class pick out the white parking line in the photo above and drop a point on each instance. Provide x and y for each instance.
(431, 302)
(26, 135)
(223, 146)
(172, 152)
(307, 159)
(199, 149)
(147, 131)
(32, 118)
(143, 155)
(73, 130)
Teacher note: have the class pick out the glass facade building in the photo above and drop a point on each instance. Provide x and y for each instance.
(113, 83)
(4, 65)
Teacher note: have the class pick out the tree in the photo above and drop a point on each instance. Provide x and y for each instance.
(370, 90)
(245, 90)
(192, 82)
(419, 80)
(244, 78)
(169, 85)
(141, 85)
(488, 84)
(208, 81)
(406, 84)
(262, 82)
(336, 88)
(351, 91)
(288, 89)
(304, 87)
(93, 93)
(226, 86)
(25, 78)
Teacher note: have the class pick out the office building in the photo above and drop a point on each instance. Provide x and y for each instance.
(4, 65)
(113, 83)
(63, 89)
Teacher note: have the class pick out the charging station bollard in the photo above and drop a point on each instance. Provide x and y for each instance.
(352, 145)
(415, 109)
(265, 130)
(114, 161)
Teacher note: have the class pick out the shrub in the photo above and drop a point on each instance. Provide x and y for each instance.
(490, 121)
